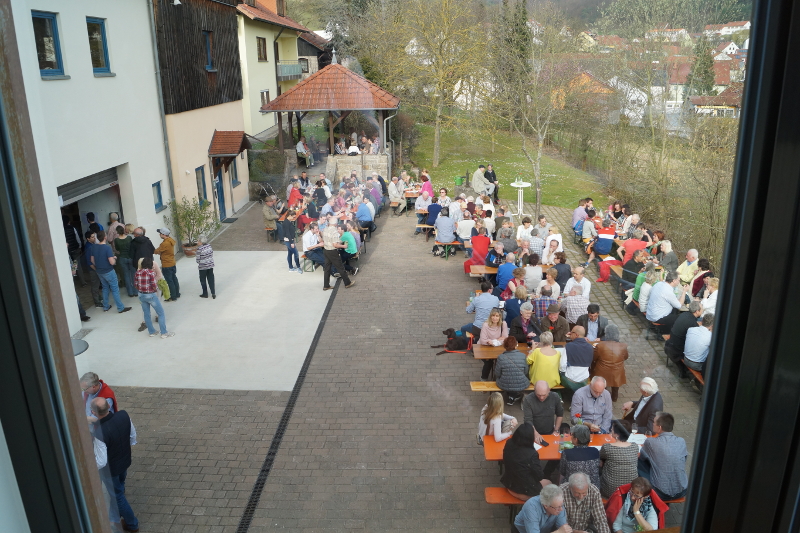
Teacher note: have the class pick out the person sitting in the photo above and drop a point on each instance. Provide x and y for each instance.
(710, 296)
(525, 229)
(698, 341)
(584, 505)
(594, 324)
(688, 268)
(513, 305)
(674, 346)
(464, 229)
(511, 371)
(481, 305)
(544, 361)
(555, 324)
(579, 213)
(397, 195)
(353, 149)
(295, 196)
(537, 244)
(493, 419)
(505, 273)
(421, 206)
(365, 216)
(588, 231)
(650, 279)
(667, 257)
(574, 368)
(591, 406)
(544, 410)
(523, 476)
(581, 458)
(603, 242)
(575, 305)
(501, 218)
(631, 269)
(662, 460)
(340, 148)
(304, 153)
(609, 359)
(554, 235)
(493, 333)
(649, 266)
(642, 412)
(637, 512)
(523, 326)
(550, 252)
(699, 281)
(480, 249)
(618, 459)
(563, 269)
(445, 227)
(518, 280)
(495, 258)
(312, 245)
(579, 278)
(533, 272)
(630, 226)
(328, 208)
(550, 282)
(523, 252)
(506, 235)
(663, 307)
(543, 302)
(626, 250)
(543, 514)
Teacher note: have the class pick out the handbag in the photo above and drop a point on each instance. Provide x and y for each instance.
(162, 285)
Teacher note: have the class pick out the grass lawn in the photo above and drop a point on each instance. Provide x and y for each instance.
(562, 184)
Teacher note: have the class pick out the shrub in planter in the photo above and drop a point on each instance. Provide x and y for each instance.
(190, 219)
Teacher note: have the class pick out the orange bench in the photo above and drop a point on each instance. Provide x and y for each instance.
(447, 247)
(697, 376)
(500, 495)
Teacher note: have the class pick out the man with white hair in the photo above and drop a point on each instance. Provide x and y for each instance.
(688, 268)
(642, 412)
(543, 513)
(592, 406)
(584, 505)
(396, 194)
(422, 204)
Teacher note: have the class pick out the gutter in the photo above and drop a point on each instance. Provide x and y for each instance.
(161, 100)
(385, 132)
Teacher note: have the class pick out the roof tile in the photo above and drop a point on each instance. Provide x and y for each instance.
(333, 88)
(262, 14)
(228, 143)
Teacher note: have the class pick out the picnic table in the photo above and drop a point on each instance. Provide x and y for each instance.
(493, 451)
(410, 196)
(482, 270)
(484, 351)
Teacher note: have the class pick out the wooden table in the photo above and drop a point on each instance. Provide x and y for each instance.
(493, 451)
(482, 270)
(483, 351)
(409, 195)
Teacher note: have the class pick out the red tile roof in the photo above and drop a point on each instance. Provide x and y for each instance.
(724, 45)
(228, 143)
(262, 14)
(731, 97)
(333, 88)
(317, 41)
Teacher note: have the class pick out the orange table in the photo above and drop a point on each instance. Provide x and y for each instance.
(493, 451)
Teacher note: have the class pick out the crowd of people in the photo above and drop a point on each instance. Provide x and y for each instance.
(122, 256)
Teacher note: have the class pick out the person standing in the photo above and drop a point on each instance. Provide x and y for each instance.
(331, 244)
(103, 261)
(289, 227)
(167, 252)
(90, 219)
(94, 387)
(312, 245)
(141, 246)
(94, 278)
(205, 264)
(122, 248)
(74, 247)
(117, 432)
(145, 281)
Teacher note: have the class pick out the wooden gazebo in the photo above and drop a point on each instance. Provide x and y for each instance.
(334, 88)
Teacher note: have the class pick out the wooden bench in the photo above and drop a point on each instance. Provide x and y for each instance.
(697, 376)
(676, 500)
(447, 247)
(491, 386)
(501, 496)
(426, 229)
(308, 264)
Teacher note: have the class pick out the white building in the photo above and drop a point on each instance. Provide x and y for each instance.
(88, 68)
(729, 28)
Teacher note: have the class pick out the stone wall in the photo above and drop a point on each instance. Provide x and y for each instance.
(340, 166)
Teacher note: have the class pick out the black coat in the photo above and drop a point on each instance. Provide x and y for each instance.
(523, 470)
(645, 419)
(141, 246)
(521, 334)
(490, 176)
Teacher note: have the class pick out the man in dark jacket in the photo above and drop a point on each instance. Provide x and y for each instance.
(677, 336)
(524, 327)
(141, 246)
(74, 246)
(598, 323)
(116, 431)
(642, 412)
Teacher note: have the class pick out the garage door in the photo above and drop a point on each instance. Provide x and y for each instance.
(74, 191)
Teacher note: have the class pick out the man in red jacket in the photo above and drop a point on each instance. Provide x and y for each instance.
(93, 387)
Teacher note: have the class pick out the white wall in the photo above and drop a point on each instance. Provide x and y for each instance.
(88, 124)
(12, 512)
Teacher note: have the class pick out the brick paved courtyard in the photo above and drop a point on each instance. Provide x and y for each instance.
(382, 436)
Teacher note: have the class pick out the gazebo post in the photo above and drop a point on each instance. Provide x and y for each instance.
(299, 126)
(330, 132)
(291, 128)
(280, 131)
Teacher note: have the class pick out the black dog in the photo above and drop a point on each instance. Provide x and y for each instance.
(455, 343)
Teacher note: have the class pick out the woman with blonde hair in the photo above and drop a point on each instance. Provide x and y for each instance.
(544, 361)
(710, 300)
(493, 333)
(667, 258)
(493, 419)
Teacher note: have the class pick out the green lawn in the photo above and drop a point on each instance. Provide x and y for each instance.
(562, 184)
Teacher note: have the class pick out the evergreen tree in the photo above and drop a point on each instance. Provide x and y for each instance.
(701, 78)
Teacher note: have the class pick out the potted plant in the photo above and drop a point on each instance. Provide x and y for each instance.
(190, 220)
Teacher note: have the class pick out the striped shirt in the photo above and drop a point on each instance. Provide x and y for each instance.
(204, 257)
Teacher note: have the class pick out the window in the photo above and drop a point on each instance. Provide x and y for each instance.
(234, 173)
(281, 7)
(159, 204)
(48, 48)
(209, 44)
(264, 97)
(200, 176)
(98, 47)
(261, 44)
(303, 64)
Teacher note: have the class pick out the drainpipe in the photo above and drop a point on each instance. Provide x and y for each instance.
(161, 100)
(386, 136)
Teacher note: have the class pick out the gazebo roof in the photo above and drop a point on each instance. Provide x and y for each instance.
(333, 88)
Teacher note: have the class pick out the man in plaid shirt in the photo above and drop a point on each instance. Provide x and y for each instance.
(541, 304)
(575, 304)
(584, 505)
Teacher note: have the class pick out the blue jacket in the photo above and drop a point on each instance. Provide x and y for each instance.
(505, 273)
(363, 214)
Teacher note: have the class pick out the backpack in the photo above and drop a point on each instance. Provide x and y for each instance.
(578, 228)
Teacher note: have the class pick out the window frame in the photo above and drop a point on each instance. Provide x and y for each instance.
(234, 173)
(159, 205)
(53, 18)
(261, 46)
(261, 93)
(102, 23)
(304, 66)
(208, 41)
(202, 196)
